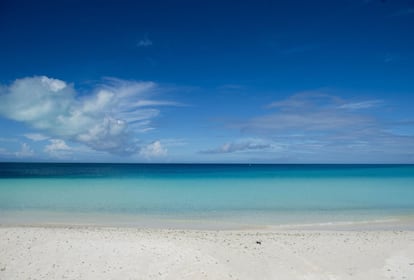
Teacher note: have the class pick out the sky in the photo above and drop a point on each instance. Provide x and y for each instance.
(207, 81)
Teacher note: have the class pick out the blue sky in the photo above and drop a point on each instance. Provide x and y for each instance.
(207, 81)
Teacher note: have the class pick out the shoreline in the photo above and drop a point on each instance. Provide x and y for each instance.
(91, 252)
(379, 225)
(216, 220)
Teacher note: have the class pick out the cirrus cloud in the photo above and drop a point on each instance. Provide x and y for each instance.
(316, 126)
(316, 112)
(36, 136)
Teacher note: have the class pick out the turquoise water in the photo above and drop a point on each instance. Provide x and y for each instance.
(238, 194)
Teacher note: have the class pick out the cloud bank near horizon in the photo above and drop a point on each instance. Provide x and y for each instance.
(316, 126)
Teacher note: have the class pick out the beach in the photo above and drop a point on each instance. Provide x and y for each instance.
(91, 252)
(119, 221)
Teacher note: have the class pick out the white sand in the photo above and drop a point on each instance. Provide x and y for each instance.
(128, 253)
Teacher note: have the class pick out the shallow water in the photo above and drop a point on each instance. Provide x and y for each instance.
(232, 194)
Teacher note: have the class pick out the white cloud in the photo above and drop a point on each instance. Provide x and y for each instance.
(34, 100)
(25, 151)
(100, 119)
(155, 149)
(144, 43)
(361, 105)
(54, 85)
(36, 136)
(58, 148)
(241, 146)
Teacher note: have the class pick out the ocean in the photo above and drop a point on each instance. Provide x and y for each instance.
(203, 195)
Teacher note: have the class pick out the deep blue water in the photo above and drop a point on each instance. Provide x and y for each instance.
(246, 193)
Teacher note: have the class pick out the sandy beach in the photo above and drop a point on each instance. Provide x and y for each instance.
(63, 252)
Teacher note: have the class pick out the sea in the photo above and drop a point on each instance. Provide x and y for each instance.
(210, 196)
